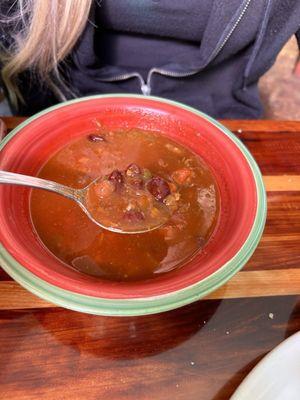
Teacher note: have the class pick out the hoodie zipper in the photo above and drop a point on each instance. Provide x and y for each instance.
(146, 85)
(213, 56)
(124, 77)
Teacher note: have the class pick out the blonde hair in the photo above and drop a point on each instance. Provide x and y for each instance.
(50, 29)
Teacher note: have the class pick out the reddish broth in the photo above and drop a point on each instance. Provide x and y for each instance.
(69, 234)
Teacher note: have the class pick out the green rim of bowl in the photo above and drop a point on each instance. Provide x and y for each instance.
(155, 304)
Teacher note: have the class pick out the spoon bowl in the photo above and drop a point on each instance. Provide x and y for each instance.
(80, 196)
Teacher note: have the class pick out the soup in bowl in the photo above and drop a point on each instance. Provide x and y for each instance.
(173, 157)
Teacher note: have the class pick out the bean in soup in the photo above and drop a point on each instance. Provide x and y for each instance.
(172, 176)
(130, 201)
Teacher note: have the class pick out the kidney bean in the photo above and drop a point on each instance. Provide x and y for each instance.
(158, 187)
(116, 177)
(134, 215)
(96, 138)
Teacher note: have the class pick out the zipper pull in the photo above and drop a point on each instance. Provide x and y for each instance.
(146, 90)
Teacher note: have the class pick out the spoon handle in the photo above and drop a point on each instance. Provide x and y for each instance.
(25, 180)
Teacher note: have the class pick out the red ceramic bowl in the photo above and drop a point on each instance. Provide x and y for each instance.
(241, 222)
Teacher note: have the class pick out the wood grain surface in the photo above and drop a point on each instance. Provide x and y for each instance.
(201, 351)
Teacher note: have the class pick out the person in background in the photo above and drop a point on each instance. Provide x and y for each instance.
(206, 54)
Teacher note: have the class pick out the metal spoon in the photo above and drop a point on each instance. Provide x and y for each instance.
(78, 195)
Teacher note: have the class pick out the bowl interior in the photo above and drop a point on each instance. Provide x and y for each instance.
(27, 150)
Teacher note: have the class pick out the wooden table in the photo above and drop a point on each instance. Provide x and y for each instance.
(201, 351)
